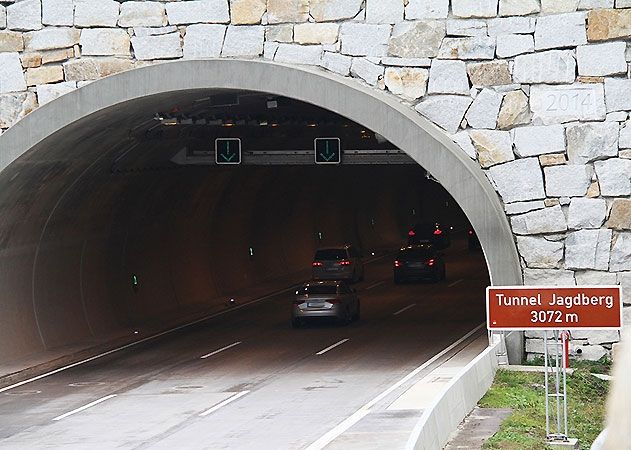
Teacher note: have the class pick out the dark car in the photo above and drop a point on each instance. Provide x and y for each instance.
(338, 263)
(429, 232)
(419, 262)
(318, 299)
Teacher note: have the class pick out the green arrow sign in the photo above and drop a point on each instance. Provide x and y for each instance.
(228, 151)
(328, 151)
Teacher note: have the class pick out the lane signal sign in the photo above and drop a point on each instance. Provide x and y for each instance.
(327, 150)
(228, 151)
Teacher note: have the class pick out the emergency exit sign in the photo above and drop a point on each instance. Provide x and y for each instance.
(553, 308)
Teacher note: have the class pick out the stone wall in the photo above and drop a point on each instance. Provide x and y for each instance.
(537, 91)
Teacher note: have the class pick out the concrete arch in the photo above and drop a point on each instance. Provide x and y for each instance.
(380, 112)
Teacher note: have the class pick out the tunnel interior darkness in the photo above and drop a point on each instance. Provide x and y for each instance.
(121, 222)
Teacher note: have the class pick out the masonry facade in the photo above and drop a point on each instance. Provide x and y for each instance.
(538, 92)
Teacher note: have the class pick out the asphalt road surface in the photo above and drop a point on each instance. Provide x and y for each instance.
(245, 379)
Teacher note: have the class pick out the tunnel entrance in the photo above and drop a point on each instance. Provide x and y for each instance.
(147, 133)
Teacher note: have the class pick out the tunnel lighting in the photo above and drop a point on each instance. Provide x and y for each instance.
(430, 262)
(251, 251)
(372, 253)
(312, 125)
(413, 211)
(319, 235)
(272, 104)
(169, 122)
(135, 331)
(397, 263)
(263, 123)
(227, 124)
(274, 124)
(372, 222)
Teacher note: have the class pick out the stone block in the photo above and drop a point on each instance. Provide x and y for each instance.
(199, 11)
(614, 177)
(484, 110)
(509, 45)
(597, 337)
(203, 40)
(142, 14)
(475, 47)
(49, 92)
(384, 11)
(519, 180)
(589, 142)
(366, 70)
(539, 140)
(594, 4)
(546, 220)
(409, 83)
(247, 12)
(337, 63)
(523, 207)
(31, 60)
(279, 33)
(492, 73)
(493, 147)
(464, 142)
(602, 59)
(406, 62)
(519, 7)
(514, 110)
(548, 277)
(14, 106)
(24, 15)
(105, 42)
(559, 104)
(567, 180)
(558, 6)
(621, 253)
(327, 11)
(95, 68)
(11, 41)
(58, 12)
(624, 136)
(552, 160)
(448, 77)
(446, 111)
(244, 41)
(299, 54)
(618, 94)
(540, 253)
(416, 39)
(607, 24)
(589, 352)
(316, 33)
(588, 249)
(624, 279)
(361, 39)
(595, 278)
(51, 39)
(554, 66)
(287, 11)
(44, 75)
(474, 8)
(511, 25)
(3, 16)
(11, 76)
(586, 213)
(620, 216)
(154, 31)
(96, 13)
(466, 27)
(426, 9)
(164, 46)
(560, 30)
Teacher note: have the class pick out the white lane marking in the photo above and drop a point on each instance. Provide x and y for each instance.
(331, 347)
(224, 403)
(364, 410)
(374, 285)
(404, 309)
(221, 350)
(455, 283)
(84, 407)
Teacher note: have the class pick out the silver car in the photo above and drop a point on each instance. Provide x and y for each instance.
(325, 299)
(337, 263)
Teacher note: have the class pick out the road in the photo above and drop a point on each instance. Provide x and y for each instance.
(245, 379)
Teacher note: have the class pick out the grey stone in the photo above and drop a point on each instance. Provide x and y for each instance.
(509, 45)
(484, 110)
(511, 25)
(445, 111)
(384, 11)
(618, 94)
(559, 104)
(595, 4)
(523, 207)
(594, 278)
(560, 30)
(464, 142)
(567, 180)
(466, 27)
(617, 116)
(83, 69)
(58, 12)
(586, 213)
(599, 60)
(492, 146)
(589, 352)
(165, 46)
(244, 41)
(279, 33)
(621, 253)
(409, 83)
(519, 7)
(282, 11)
(624, 137)
(514, 110)
(154, 31)
(105, 42)
(337, 63)
(419, 39)
(327, 10)
(11, 76)
(299, 54)
(539, 140)
(427, 9)
(198, 11)
(548, 277)
(476, 47)
(539, 253)
(14, 106)
(3, 17)
(142, 14)
(406, 62)
(614, 177)
(51, 38)
(448, 77)
(547, 220)
(49, 92)
(597, 337)
(24, 15)
(588, 249)
(558, 6)
(361, 39)
(589, 142)
(203, 40)
(624, 279)
(493, 73)
(96, 13)
(554, 66)
(474, 8)
(371, 73)
(519, 180)
(316, 33)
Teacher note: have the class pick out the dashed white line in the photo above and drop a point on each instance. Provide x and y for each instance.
(374, 285)
(224, 403)
(404, 309)
(84, 407)
(220, 350)
(331, 347)
(455, 283)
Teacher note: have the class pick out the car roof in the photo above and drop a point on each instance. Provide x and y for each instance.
(323, 283)
(417, 247)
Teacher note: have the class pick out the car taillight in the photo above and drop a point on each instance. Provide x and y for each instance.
(411, 233)
(316, 264)
(438, 231)
(397, 263)
(344, 263)
(470, 232)
(430, 262)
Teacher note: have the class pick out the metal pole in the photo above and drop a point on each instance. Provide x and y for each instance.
(566, 358)
(557, 381)
(546, 368)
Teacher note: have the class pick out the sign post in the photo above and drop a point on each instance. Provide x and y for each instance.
(558, 310)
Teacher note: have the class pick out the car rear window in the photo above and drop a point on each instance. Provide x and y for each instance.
(318, 289)
(416, 253)
(330, 254)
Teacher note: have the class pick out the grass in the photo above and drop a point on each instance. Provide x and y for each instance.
(603, 365)
(523, 392)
